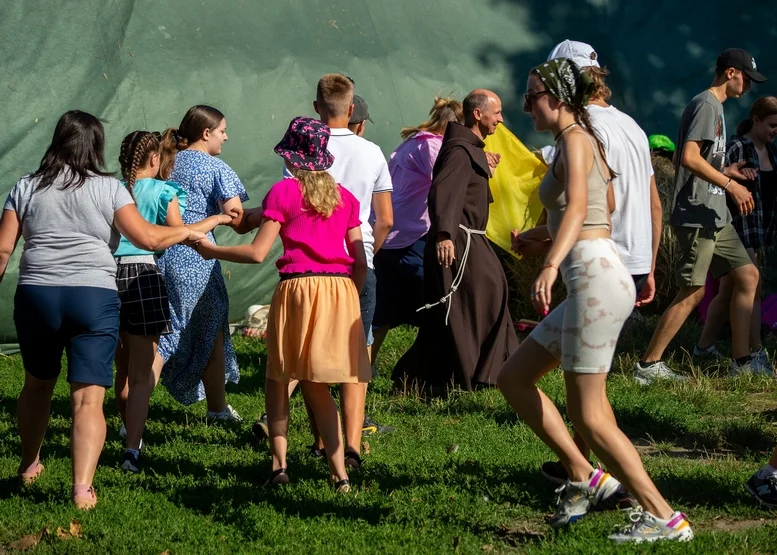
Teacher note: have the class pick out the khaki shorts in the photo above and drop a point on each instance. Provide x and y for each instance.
(703, 250)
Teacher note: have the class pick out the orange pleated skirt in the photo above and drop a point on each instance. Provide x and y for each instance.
(315, 332)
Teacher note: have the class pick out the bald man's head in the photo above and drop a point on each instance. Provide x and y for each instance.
(482, 111)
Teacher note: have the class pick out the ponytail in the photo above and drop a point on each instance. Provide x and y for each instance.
(583, 119)
(444, 111)
(169, 145)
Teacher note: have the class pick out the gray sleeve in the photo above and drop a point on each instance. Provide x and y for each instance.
(703, 123)
(14, 201)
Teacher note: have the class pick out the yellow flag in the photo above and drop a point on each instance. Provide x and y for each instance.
(514, 188)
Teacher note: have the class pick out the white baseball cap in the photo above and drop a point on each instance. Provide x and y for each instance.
(581, 53)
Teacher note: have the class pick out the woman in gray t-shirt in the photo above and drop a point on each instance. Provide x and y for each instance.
(71, 213)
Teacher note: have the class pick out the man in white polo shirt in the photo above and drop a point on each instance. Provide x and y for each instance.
(636, 221)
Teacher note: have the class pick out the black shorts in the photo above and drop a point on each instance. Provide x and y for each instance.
(82, 321)
(145, 308)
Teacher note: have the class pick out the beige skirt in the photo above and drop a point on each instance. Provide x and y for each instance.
(315, 332)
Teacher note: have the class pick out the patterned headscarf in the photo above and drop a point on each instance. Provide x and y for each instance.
(566, 81)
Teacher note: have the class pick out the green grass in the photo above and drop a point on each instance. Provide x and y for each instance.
(459, 475)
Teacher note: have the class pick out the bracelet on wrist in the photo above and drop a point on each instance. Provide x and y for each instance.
(725, 187)
(549, 265)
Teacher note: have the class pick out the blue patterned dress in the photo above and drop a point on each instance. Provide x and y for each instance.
(198, 295)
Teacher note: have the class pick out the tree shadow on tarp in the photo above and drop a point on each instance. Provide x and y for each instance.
(660, 54)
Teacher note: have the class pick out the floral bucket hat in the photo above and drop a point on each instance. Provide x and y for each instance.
(304, 145)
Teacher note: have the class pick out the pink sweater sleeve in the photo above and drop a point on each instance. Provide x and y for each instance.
(274, 203)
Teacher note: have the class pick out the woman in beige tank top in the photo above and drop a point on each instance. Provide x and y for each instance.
(583, 330)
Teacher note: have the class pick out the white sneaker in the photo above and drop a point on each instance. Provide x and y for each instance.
(226, 416)
(577, 499)
(710, 352)
(123, 434)
(752, 366)
(646, 375)
(647, 528)
(761, 364)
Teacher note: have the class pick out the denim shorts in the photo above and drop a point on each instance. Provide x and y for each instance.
(367, 303)
(82, 321)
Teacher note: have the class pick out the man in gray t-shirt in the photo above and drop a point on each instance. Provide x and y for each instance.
(702, 223)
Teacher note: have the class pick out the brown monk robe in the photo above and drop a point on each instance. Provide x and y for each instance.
(479, 336)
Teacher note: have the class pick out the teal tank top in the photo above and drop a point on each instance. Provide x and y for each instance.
(152, 196)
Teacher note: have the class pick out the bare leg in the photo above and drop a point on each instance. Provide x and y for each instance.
(120, 383)
(88, 432)
(213, 377)
(773, 460)
(33, 411)
(354, 396)
(517, 382)
(378, 337)
(718, 313)
(276, 404)
(586, 395)
(142, 382)
(745, 280)
(672, 320)
(323, 406)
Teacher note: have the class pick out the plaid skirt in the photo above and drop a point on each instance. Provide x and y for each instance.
(145, 308)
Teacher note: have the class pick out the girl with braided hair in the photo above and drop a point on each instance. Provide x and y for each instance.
(583, 330)
(145, 308)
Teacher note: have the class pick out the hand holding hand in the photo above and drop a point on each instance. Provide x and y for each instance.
(738, 171)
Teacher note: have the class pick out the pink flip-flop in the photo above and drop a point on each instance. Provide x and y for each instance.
(84, 497)
(32, 473)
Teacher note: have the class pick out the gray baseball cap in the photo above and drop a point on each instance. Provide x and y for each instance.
(360, 111)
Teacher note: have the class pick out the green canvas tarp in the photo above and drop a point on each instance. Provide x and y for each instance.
(140, 64)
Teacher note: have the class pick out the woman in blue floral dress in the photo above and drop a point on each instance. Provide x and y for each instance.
(198, 355)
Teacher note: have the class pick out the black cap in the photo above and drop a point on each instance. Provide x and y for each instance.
(739, 58)
(360, 111)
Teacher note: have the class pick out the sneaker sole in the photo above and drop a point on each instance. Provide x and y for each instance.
(641, 381)
(129, 467)
(684, 536)
(571, 520)
(757, 498)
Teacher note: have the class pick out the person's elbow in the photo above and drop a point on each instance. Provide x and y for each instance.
(385, 221)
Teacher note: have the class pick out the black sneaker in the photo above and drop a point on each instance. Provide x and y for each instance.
(260, 428)
(554, 471)
(371, 427)
(621, 500)
(131, 462)
(764, 491)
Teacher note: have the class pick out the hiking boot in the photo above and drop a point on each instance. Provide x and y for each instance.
(260, 428)
(760, 362)
(577, 499)
(371, 427)
(710, 352)
(764, 491)
(226, 416)
(645, 375)
(647, 528)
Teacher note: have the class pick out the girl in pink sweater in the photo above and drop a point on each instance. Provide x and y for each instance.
(314, 329)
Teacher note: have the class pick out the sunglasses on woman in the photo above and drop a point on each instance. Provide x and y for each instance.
(529, 99)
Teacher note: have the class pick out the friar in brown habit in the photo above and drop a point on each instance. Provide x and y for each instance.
(466, 331)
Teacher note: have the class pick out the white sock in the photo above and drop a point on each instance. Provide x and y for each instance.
(767, 472)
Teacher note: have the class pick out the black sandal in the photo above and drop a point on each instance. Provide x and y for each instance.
(277, 478)
(343, 486)
(353, 460)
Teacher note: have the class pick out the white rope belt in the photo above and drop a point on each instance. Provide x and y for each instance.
(459, 274)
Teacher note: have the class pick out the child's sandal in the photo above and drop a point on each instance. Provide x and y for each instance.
(32, 473)
(84, 497)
